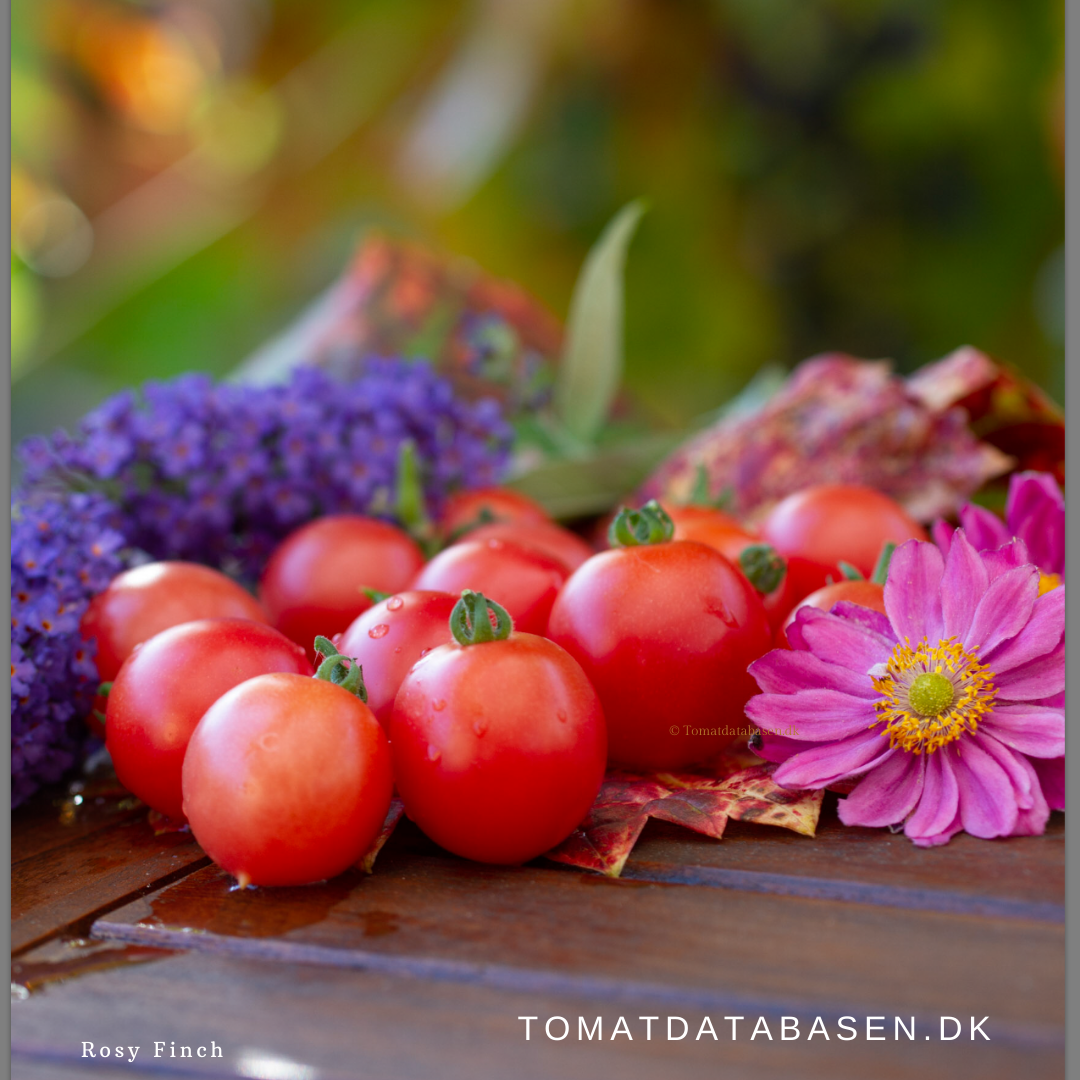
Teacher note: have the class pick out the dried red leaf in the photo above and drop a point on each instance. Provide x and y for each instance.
(838, 420)
(489, 337)
(697, 801)
(1004, 409)
(393, 816)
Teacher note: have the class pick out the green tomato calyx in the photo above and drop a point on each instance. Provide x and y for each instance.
(763, 567)
(470, 621)
(343, 671)
(635, 528)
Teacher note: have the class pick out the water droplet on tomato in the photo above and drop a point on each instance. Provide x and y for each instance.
(433, 752)
(395, 603)
(480, 728)
(438, 704)
(424, 652)
(561, 717)
(397, 649)
(378, 631)
(270, 740)
(494, 545)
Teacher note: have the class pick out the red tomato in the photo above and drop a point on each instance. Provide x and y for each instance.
(665, 632)
(523, 579)
(553, 539)
(391, 636)
(717, 530)
(866, 594)
(464, 510)
(314, 582)
(166, 685)
(142, 602)
(287, 780)
(708, 526)
(498, 747)
(833, 523)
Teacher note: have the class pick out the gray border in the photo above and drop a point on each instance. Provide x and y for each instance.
(1072, 494)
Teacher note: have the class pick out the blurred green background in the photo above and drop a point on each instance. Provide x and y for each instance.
(882, 177)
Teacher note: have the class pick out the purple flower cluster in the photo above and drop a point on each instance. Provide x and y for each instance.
(211, 473)
(221, 473)
(63, 551)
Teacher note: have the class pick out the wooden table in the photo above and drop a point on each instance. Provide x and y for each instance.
(124, 938)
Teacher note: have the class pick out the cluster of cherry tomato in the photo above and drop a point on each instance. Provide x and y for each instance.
(492, 684)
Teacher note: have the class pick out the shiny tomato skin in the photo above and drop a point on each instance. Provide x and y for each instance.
(390, 637)
(708, 526)
(665, 633)
(287, 780)
(142, 602)
(867, 594)
(165, 686)
(464, 510)
(831, 523)
(498, 748)
(523, 579)
(314, 581)
(552, 539)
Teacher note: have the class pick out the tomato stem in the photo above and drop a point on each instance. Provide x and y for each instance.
(635, 528)
(341, 670)
(470, 623)
(881, 569)
(763, 567)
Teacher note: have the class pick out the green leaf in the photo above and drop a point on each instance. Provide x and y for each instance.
(592, 361)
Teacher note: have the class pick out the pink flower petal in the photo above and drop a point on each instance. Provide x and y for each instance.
(1035, 680)
(942, 532)
(943, 837)
(814, 715)
(913, 591)
(1031, 821)
(888, 794)
(865, 617)
(987, 799)
(962, 587)
(1043, 631)
(1004, 610)
(984, 529)
(1051, 776)
(1035, 512)
(940, 800)
(840, 641)
(784, 671)
(1020, 778)
(1006, 558)
(1030, 729)
(824, 765)
(776, 748)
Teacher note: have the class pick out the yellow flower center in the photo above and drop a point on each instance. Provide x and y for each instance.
(931, 695)
(1048, 582)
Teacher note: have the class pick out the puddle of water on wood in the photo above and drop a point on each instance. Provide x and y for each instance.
(208, 902)
(68, 958)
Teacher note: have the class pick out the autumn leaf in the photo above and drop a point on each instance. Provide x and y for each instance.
(838, 419)
(702, 802)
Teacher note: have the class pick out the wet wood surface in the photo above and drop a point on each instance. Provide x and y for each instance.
(130, 939)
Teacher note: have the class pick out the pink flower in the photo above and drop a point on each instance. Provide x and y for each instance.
(936, 709)
(1034, 513)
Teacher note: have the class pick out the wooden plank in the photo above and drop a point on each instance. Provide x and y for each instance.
(57, 816)
(69, 884)
(303, 1022)
(1023, 877)
(546, 930)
